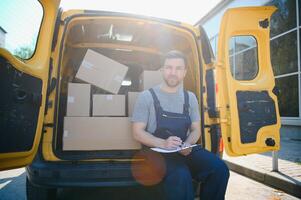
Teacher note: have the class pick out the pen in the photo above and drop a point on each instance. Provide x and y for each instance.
(171, 134)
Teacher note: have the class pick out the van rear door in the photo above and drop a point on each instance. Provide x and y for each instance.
(23, 86)
(248, 106)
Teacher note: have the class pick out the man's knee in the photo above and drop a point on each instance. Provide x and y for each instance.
(179, 175)
(223, 170)
(178, 184)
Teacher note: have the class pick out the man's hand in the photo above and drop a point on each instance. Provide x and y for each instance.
(185, 152)
(172, 142)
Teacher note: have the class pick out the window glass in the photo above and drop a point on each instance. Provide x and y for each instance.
(288, 96)
(243, 57)
(20, 22)
(299, 2)
(284, 54)
(300, 43)
(284, 18)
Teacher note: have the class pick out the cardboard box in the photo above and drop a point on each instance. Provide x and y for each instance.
(98, 133)
(108, 105)
(132, 97)
(148, 79)
(101, 71)
(78, 100)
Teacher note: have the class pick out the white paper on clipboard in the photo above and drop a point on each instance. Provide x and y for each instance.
(160, 150)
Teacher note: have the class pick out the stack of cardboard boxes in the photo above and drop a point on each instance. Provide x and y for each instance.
(109, 127)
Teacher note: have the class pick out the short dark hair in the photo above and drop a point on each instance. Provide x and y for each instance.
(174, 54)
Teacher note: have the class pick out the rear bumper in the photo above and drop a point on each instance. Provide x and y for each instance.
(71, 174)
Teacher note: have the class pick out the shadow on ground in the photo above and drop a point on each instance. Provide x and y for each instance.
(12, 188)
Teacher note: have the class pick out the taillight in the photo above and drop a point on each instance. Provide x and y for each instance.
(221, 145)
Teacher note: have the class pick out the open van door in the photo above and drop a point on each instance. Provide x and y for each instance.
(23, 86)
(248, 106)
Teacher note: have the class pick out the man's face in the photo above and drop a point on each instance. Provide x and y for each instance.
(173, 71)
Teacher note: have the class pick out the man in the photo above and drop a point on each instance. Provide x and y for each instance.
(167, 116)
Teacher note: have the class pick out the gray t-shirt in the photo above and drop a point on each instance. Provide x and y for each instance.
(144, 110)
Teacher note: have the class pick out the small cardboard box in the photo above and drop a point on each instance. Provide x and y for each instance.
(101, 71)
(108, 105)
(132, 97)
(149, 79)
(98, 133)
(78, 100)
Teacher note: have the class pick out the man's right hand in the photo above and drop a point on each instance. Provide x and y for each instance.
(172, 142)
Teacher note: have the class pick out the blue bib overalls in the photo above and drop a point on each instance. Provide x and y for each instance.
(200, 164)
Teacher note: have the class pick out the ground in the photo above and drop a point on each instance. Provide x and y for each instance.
(12, 187)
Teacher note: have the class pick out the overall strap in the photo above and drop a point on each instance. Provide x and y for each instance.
(186, 103)
(156, 100)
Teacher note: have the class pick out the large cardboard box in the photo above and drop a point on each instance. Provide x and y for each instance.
(108, 105)
(101, 71)
(98, 133)
(78, 100)
(148, 79)
(132, 97)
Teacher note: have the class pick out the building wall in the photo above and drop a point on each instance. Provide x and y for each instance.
(285, 45)
(2, 39)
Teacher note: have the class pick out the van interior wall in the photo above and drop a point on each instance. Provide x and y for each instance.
(140, 46)
(129, 42)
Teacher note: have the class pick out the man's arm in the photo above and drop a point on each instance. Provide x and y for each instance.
(192, 138)
(195, 129)
(195, 133)
(148, 139)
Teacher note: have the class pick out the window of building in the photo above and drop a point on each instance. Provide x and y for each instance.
(299, 5)
(288, 96)
(284, 56)
(284, 19)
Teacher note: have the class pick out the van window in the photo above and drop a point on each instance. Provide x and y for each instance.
(20, 22)
(243, 57)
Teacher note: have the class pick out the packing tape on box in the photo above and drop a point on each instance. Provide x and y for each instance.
(65, 133)
(71, 99)
(118, 78)
(87, 64)
(109, 97)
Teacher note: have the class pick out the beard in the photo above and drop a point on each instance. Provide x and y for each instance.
(172, 81)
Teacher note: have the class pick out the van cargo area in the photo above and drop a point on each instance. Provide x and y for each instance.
(105, 62)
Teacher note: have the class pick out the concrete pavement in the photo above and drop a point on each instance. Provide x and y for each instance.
(12, 187)
(259, 167)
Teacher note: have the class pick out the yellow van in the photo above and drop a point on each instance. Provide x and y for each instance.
(236, 90)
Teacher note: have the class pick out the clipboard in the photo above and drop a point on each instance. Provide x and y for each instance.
(161, 150)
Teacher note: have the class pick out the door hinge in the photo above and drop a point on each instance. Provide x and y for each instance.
(223, 120)
(264, 23)
(51, 125)
(220, 65)
(52, 86)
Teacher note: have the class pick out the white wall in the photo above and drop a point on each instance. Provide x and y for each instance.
(2, 39)
(213, 24)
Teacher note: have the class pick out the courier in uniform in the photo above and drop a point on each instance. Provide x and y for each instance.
(167, 116)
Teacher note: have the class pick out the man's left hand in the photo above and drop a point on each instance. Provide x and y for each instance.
(185, 152)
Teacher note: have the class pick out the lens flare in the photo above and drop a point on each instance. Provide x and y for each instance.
(150, 170)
